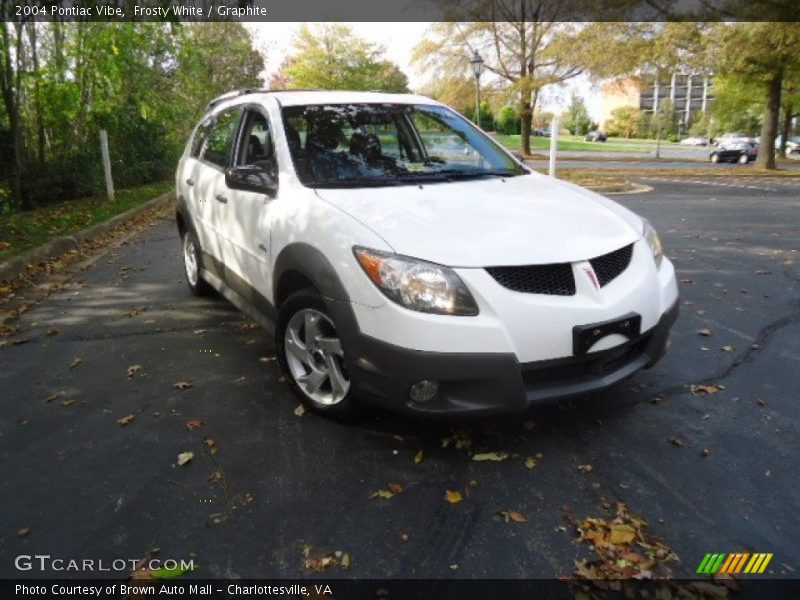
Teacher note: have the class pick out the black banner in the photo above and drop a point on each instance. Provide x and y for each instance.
(399, 11)
(400, 589)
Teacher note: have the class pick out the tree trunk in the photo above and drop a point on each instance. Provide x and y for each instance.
(10, 90)
(786, 127)
(526, 116)
(37, 91)
(769, 130)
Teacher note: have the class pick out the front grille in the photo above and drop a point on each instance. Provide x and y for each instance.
(557, 279)
(554, 279)
(609, 266)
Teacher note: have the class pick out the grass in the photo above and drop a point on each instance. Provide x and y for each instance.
(574, 142)
(23, 230)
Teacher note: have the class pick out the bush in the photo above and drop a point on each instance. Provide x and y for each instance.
(508, 121)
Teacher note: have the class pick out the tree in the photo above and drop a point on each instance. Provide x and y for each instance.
(576, 117)
(625, 121)
(145, 83)
(331, 56)
(523, 44)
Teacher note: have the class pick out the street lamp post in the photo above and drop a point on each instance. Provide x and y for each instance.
(476, 62)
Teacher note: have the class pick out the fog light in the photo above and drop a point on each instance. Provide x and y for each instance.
(424, 391)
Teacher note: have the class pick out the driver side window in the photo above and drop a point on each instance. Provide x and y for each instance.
(256, 145)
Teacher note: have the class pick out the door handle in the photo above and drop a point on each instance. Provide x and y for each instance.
(190, 181)
(221, 198)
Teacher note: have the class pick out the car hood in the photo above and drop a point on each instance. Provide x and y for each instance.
(530, 219)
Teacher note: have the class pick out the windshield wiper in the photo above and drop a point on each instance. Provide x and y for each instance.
(458, 173)
(354, 183)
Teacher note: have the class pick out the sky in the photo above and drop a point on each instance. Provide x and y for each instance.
(274, 40)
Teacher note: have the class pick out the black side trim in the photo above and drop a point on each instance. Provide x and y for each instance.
(243, 289)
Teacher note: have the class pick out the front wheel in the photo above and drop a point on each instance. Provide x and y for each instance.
(310, 353)
(191, 265)
(744, 159)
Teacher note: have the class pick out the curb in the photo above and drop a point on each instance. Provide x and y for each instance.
(17, 264)
(620, 188)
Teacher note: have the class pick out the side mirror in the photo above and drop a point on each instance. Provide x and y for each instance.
(251, 178)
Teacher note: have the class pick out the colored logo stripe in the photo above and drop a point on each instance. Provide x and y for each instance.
(734, 563)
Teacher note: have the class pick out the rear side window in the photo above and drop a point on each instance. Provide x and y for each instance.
(200, 137)
(216, 146)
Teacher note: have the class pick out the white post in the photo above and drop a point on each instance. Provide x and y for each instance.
(553, 143)
(106, 164)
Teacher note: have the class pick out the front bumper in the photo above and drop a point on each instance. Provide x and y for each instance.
(489, 383)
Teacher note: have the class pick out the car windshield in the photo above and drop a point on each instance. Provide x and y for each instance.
(369, 145)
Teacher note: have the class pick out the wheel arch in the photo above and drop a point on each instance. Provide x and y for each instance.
(300, 265)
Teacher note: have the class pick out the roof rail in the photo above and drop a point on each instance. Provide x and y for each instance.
(230, 95)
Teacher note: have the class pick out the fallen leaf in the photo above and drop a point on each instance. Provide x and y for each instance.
(676, 441)
(454, 567)
(397, 488)
(494, 456)
(321, 563)
(52, 397)
(266, 359)
(706, 453)
(185, 457)
(211, 444)
(172, 572)
(585, 469)
(23, 531)
(199, 331)
(300, 410)
(702, 388)
(621, 533)
(761, 402)
(218, 518)
(419, 457)
(133, 369)
(182, 385)
(728, 348)
(530, 462)
(453, 497)
(52, 332)
(126, 420)
(345, 561)
(194, 424)
(705, 332)
(69, 402)
(383, 494)
(76, 362)
(513, 515)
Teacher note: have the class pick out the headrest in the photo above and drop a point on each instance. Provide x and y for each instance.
(365, 145)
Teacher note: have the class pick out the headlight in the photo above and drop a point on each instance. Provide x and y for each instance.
(416, 284)
(653, 241)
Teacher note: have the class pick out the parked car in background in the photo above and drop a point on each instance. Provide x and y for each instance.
(736, 152)
(695, 141)
(542, 131)
(792, 144)
(401, 257)
(727, 139)
(596, 136)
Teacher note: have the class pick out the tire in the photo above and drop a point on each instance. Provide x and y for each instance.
(313, 361)
(191, 266)
(743, 159)
(714, 157)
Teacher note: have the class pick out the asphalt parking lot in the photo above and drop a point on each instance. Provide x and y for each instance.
(267, 488)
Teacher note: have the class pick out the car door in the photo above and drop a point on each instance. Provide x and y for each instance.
(209, 178)
(248, 214)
